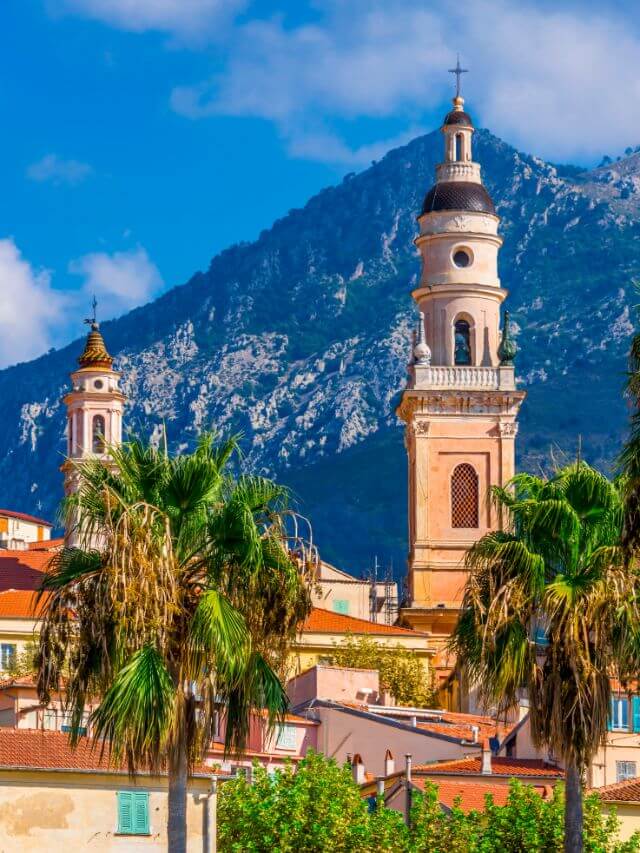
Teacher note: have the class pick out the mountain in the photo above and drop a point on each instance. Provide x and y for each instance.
(300, 341)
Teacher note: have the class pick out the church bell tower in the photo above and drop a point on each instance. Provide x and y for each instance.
(460, 404)
(94, 412)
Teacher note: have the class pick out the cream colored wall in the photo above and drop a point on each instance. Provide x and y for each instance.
(629, 816)
(620, 746)
(311, 649)
(18, 530)
(19, 632)
(73, 811)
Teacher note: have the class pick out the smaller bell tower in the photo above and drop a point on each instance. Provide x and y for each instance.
(94, 410)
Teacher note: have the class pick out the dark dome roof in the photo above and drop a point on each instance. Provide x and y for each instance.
(458, 195)
(458, 117)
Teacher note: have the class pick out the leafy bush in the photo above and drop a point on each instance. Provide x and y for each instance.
(319, 808)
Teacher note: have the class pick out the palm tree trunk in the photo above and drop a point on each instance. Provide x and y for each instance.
(178, 774)
(573, 811)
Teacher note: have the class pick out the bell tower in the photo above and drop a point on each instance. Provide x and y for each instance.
(94, 410)
(460, 403)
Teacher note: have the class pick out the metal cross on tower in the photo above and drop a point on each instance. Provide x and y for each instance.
(458, 71)
(93, 320)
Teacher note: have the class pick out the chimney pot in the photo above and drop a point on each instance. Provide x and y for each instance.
(408, 766)
(380, 787)
(389, 763)
(357, 768)
(486, 758)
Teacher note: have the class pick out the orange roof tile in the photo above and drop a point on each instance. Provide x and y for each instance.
(500, 766)
(627, 791)
(20, 604)
(47, 544)
(23, 516)
(22, 569)
(35, 749)
(461, 726)
(322, 621)
(472, 794)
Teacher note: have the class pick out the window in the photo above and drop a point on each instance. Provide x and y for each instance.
(7, 655)
(71, 422)
(133, 813)
(464, 496)
(97, 434)
(620, 714)
(286, 737)
(66, 724)
(461, 343)
(625, 770)
(458, 152)
(341, 605)
(461, 258)
(98, 384)
(49, 721)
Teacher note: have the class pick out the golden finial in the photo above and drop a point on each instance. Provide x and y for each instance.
(95, 351)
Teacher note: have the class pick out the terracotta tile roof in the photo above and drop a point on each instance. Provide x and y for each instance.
(472, 794)
(20, 604)
(461, 726)
(22, 516)
(22, 569)
(35, 749)
(620, 792)
(47, 544)
(322, 621)
(500, 766)
(18, 681)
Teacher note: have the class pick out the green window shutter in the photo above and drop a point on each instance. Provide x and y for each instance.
(635, 713)
(141, 813)
(125, 812)
(341, 605)
(610, 717)
(133, 812)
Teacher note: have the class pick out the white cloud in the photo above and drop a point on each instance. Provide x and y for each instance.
(562, 81)
(183, 18)
(120, 281)
(58, 171)
(30, 309)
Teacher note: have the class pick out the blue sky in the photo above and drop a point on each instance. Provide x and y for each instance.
(142, 136)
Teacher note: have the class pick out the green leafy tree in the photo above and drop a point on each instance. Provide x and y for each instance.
(25, 662)
(401, 670)
(177, 606)
(318, 807)
(550, 606)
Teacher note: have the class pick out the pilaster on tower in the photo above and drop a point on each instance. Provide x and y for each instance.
(94, 412)
(460, 405)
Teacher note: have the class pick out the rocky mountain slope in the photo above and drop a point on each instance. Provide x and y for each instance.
(300, 341)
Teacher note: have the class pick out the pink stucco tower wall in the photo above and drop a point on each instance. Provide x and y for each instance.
(460, 404)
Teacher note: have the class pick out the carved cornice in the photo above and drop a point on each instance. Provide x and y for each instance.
(472, 403)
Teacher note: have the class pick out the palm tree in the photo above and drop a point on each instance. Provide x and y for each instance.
(550, 609)
(176, 607)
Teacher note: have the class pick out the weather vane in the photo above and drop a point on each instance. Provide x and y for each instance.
(458, 71)
(92, 321)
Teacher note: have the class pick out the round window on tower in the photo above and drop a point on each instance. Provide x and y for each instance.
(98, 384)
(462, 258)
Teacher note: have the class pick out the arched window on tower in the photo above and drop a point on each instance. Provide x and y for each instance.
(464, 496)
(462, 342)
(70, 428)
(97, 434)
(458, 151)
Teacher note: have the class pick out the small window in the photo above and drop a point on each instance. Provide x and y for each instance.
(286, 737)
(461, 343)
(97, 434)
(98, 384)
(625, 770)
(50, 721)
(8, 653)
(620, 714)
(341, 605)
(458, 147)
(461, 258)
(464, 496)
(133, 813)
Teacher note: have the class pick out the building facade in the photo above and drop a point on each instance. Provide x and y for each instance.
(460, 405)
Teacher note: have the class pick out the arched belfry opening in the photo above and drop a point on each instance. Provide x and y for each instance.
(465, 496)
(458, 148)
(462, 342)
(98, 434)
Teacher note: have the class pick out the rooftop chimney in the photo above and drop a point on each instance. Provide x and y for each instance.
(357, 768)
(475, 731)
(389, 763)
(380, 787)
(486, 758)
(408, 766)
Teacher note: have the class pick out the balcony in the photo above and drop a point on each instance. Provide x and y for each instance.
(464, 378)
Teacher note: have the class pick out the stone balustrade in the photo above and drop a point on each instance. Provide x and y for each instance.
(458, 172)
(464, 378)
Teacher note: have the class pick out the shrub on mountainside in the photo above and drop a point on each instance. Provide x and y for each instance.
(402, 672)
